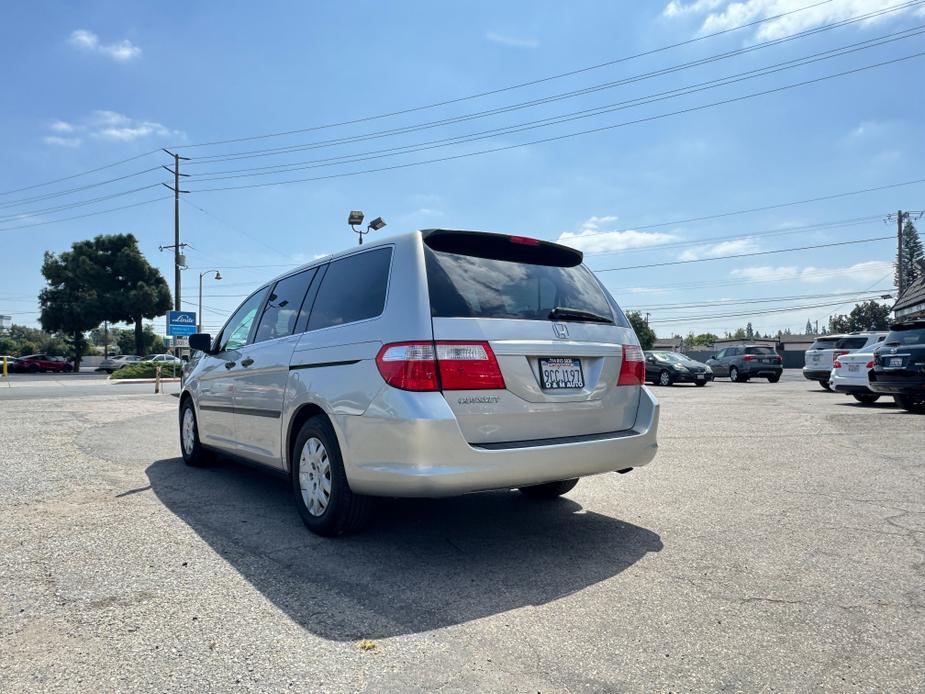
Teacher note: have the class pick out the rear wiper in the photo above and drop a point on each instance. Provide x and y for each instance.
(566, 313)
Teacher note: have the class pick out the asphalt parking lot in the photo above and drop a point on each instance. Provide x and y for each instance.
(775, 544)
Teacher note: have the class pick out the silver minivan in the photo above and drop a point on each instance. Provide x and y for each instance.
(428, 364)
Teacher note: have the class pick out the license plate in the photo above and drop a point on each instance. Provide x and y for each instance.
(896, 361)
(700, 377)
(852, 368)
(815, 358)
(557, 373)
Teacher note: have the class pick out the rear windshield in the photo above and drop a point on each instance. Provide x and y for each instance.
(851, 342)
(464, 285)
(906, 337)
(759, 350)
(824, 343)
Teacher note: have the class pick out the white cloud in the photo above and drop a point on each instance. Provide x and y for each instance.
(105, 125)
(761, 273)
(512, 41)
(723, 14)
(717, 249)
(62, 141)
(863, 273)
(121, 51)
(592, 239)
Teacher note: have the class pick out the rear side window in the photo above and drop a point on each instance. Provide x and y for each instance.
(487, 282)
(285, 308)
(759, 350)
(851, 342)
(828, 343)
(353, 289)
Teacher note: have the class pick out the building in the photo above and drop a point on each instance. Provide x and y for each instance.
(724, 342)
(911, 303)
(668, 344)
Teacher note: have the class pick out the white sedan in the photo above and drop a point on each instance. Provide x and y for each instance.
(849, 375)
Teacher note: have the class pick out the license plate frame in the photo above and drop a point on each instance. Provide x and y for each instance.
(561, 373)
(896, 362)
(854, 368)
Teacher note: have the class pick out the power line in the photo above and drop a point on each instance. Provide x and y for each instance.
(763, 300)
(82, 203)
(786, 309)
(81, 173)
(569, 135)
(745, 255)
(520, 85)
(82, 216)
(249, 154)
(47, 196)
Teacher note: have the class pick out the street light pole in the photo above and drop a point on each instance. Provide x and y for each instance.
(218, 276)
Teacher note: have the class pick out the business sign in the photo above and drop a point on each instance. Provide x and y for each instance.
(181, 322)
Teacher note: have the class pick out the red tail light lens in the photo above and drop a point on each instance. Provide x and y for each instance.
(749, 357)
(836, 364)
(778, 359)
(870, 364)
(468, 366)
(633, 367)
(525, 241)
(426, 366)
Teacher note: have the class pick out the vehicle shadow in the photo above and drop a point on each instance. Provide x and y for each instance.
(420, 565)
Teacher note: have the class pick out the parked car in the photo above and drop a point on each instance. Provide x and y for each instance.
(899, 365)
(43, 362)
(820, 357)
(113, 364)
(667, 368)
(849, 376)
(164, 359)
(430, 364)
(11, 363)
(743, 362)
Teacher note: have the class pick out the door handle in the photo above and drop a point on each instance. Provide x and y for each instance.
(229, 364)
(247, 362)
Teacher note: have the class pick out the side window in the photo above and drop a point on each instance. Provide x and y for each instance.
(732, 351)
(720, 354)
(352, 289)
(238, 327)
(285, 308)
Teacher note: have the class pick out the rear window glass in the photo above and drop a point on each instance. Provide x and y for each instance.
(828, 343)
(851, 342)
(906, 337)
(353, 289)
(759, 350)
(469, 286)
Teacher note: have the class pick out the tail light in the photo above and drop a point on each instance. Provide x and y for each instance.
(749, 357)
(633, 367)
(870, 364)
(433, 366)
(778, 359)
(525, 241)
(836, 363)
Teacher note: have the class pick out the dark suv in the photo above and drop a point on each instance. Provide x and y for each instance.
(899, 365)
(747, 361)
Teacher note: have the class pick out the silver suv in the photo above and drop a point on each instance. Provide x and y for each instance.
(430, 364)
(821, 355)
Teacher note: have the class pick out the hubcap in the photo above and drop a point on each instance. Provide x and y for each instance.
(665, 378)
(315, 477)
(189, 431)
(734, 375)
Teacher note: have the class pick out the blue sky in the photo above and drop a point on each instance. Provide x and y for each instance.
(98, 82)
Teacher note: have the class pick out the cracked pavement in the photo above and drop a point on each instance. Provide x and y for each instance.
(775, 544)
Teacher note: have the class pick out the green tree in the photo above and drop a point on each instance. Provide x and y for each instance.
(809, 327)
(645, 334)
(911, 252)
(740, 334)
(869, 315)
(839, 324)
(701, 340)
(749, 331)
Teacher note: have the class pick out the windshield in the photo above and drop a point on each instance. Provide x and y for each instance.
(906, 337)
(472, 286)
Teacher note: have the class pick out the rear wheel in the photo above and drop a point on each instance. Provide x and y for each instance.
(550, 490)
(774, 379)
(326, 503)
(912, 403)
(734, 375)
(825, 384)
(700, 384)
(664, 378)
(866, 398)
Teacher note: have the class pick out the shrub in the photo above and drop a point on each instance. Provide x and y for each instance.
(146, 369)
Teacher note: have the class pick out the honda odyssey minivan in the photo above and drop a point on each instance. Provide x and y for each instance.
(429, 364)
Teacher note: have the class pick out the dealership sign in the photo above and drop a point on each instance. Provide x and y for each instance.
(181, 322)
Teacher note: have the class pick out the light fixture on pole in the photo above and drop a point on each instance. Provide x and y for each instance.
(218, 276)
(356, 217)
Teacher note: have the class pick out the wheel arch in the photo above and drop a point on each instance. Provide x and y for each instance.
(305, 412)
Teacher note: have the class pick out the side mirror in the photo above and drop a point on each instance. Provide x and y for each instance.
(651, 360)
(201, 342)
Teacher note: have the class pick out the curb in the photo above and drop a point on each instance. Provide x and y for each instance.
(117, 381)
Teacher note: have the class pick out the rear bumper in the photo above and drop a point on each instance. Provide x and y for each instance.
(817, 374)
(845, 384)
(761, 371)
(413, 447)
(692, 377)
(901, 383)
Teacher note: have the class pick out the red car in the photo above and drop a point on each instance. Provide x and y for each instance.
(42, 362)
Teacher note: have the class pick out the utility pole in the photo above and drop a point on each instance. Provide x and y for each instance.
(899, 251)
(177, 246)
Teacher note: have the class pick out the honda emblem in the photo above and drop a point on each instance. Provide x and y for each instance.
(561, 330)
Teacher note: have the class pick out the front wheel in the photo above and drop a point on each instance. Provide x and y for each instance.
(912, 403)
(774, 379)
(326, 503)
(700, 384)
(194, 454)
(550, 490)
(664, 378)
(866, 398)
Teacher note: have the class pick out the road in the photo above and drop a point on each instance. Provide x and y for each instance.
(776, 543)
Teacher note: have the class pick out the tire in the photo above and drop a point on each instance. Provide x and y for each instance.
(316, 463)
(911, 403)
(734, 375)
(866, 398)
(773, 379)
(550, 490)
(825, 385)
(664, 378)
(700, 384)
(194, 454)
